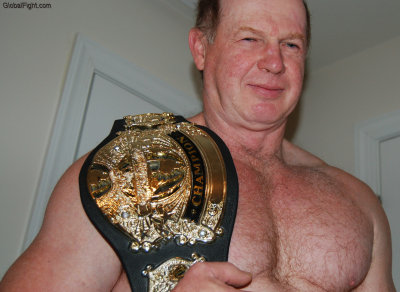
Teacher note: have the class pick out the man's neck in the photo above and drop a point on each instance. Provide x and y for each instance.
(243, 141)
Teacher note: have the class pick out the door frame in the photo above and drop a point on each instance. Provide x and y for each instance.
(89, 59)
(368, 138)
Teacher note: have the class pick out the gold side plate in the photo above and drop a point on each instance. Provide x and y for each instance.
(166, 276)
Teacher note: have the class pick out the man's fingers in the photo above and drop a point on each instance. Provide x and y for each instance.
(224, 272)
(213, 276)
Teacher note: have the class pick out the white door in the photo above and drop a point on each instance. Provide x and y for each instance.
(108, 102)
(390, 193)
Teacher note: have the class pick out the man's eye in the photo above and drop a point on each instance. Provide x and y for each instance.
(292, 46)
(249, 39)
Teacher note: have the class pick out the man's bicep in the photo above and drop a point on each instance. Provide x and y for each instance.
(68, 253)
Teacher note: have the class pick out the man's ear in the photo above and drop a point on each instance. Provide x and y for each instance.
(197, 45)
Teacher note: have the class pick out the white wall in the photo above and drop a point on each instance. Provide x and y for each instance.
(339, 96)
(35, 48)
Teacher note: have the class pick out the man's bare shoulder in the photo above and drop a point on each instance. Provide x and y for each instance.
(68, 254)
(352, 186)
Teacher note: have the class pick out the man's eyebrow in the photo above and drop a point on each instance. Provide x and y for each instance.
(296, 36)
(291, 36)
(250, 29)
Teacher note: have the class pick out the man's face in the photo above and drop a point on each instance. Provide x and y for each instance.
(253, 71)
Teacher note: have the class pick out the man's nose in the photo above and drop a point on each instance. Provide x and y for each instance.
(271, 59)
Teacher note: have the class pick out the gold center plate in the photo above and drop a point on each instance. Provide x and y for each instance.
(146, 179)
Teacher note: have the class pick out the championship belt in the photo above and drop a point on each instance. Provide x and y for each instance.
(163, 192)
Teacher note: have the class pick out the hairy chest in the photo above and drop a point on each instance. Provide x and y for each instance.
(299, 228)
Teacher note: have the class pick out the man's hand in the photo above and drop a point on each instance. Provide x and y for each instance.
(213, 276)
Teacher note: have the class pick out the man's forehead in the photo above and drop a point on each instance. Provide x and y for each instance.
(229, 7)
(235, 13)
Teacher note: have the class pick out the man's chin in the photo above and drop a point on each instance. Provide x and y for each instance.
(264, 123)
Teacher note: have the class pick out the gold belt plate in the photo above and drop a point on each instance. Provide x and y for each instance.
(166, 276)
(160, 180)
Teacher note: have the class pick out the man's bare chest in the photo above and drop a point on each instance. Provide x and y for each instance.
(300, 228)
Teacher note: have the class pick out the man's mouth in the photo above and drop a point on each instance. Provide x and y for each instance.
(267, 91)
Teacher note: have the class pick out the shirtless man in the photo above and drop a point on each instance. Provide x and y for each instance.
(301, 224)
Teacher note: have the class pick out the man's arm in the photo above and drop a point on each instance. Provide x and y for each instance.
(68, 254)
(379, 277)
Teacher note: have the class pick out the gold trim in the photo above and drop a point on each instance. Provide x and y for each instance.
(215, 191)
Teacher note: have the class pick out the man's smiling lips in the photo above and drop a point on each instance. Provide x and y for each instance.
(266, 91)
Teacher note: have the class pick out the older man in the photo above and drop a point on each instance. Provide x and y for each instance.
(301, 225)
